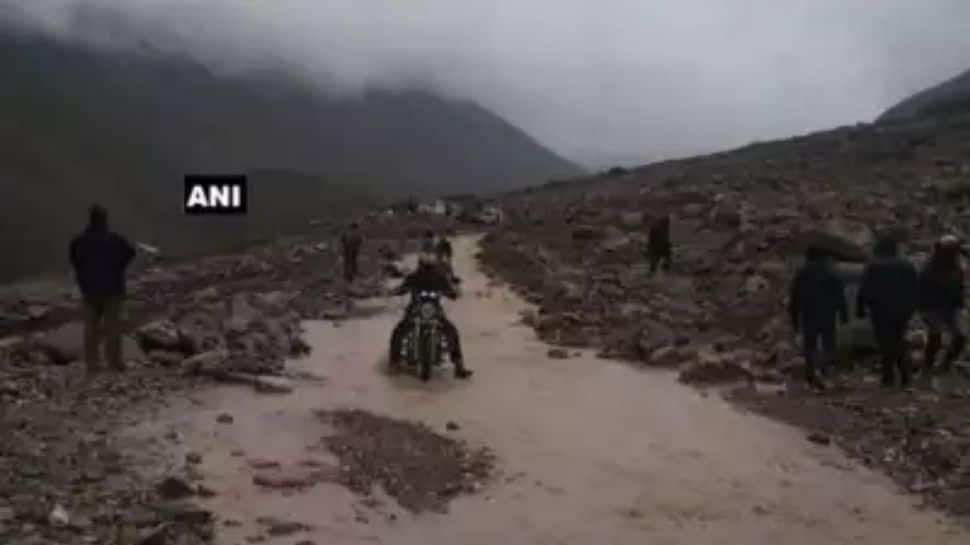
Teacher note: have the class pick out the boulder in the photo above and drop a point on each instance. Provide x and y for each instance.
(712, 368)
(165, 358)
(631, 220)
(63, 344)
(726, 214)
(668, 356)
(288, 478)
(587, 232)
(159, 335)
(841, 241)
(210, 363)
(272, 385)
(755, 284)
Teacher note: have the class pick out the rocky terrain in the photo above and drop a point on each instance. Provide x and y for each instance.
(232, 318)
(740, 220)
(413, 464)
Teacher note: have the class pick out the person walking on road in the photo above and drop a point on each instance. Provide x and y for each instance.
(888, 292)
(350, 243)
(443, 249)
(941, 292)
(100, 258)
(428, 243)
(816, 299)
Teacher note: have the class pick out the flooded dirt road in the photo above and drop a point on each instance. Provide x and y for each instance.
(590, 451)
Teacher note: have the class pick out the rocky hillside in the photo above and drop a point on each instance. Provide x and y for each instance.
(84, 124)
(951, 96)
(740, 221)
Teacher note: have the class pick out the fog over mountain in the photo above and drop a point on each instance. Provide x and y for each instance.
(598, 82)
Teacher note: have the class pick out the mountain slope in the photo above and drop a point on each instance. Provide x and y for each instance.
(84, 124)
(951, 96)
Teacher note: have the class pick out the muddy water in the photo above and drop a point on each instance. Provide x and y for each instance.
(592, 451)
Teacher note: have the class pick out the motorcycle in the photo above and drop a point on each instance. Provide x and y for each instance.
(425, 343)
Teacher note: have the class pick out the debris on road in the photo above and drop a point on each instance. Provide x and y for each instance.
(422, 470)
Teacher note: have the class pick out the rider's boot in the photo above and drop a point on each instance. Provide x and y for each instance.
(463, 372)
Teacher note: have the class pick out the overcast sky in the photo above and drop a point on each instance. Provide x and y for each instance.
(601, 81)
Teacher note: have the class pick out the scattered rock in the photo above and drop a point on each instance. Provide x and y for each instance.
(558, 354)
(277, 527)
(260, 463)
(225, 418)
(64, 344)
(419, 468)
(287, 478)
(174, 488)
(159, 335)
(272, 385)
(819, 438)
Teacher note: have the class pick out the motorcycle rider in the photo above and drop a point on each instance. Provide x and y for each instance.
(428, 277)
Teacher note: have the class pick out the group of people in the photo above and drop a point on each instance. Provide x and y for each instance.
(891, 293)
(352, 239)
(100, 258)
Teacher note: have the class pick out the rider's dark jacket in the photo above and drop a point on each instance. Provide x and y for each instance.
(427, 278)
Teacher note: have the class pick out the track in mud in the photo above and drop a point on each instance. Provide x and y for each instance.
(590, 451)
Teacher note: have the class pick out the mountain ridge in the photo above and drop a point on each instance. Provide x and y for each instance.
(952, 96)
(85, 124)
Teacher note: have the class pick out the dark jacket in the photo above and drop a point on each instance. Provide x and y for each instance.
(659, 237)
(817, 295)
(889, 289)
(443, 248)
(351, 242)
(99, 258)
(427, 278)
(940, 288)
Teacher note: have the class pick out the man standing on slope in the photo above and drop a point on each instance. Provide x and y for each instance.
(817, 296)
(941, 301)
(659, 248)
(350, 243)
(100, 258)
(889, 292)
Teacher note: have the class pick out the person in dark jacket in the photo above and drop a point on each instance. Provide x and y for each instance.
(816, 299)
(428, 243)
(428, 277)
(888, 292)
(443, 248)
(350, 243)
(941, 301)
(659, 248)
(99, 258)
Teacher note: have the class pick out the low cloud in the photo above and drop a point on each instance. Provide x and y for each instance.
(602, 82)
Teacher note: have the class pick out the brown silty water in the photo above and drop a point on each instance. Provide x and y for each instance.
(592, 451)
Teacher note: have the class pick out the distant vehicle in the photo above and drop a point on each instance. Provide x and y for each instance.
(490, 216)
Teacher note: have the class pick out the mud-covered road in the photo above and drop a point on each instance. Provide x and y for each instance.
(588, 450)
